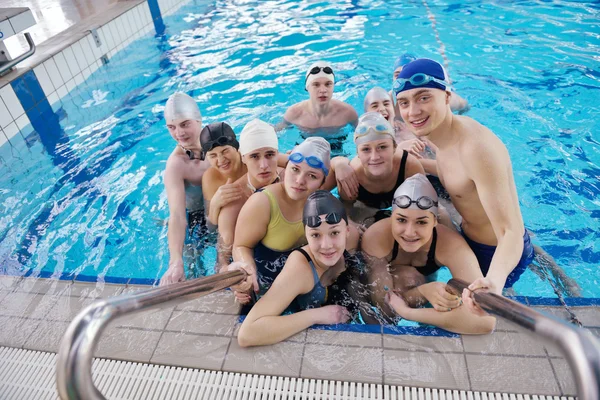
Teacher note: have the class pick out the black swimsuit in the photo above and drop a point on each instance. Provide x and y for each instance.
(383, 200)
(430, 266)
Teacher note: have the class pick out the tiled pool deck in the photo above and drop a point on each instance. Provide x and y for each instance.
(34, 313)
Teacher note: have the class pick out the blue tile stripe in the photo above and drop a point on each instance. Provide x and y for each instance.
(159, 25)
(31, 96)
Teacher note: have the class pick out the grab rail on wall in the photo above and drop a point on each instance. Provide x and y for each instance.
(6, 66)
(74, 363)
(579, 346)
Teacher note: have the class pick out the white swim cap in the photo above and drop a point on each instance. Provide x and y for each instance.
(373, 126)
(313, 147)
(181, 106)
(257, 134)
(317, 70)
(376, 94)
(416, 192)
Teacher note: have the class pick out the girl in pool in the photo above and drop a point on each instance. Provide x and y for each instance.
(223, 180)
(259, 151)
(406, 249)
(378, 100)
(183, 178)
(378, 168)
(269, 226)
(305, 280)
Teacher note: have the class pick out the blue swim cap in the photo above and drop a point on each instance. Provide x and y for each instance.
(403, 60)
(427, 67)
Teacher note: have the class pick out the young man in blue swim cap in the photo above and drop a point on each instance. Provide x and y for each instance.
(457, 103)
(475, 168)
(321, 112)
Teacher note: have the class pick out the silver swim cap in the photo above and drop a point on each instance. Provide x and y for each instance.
(373, 126)
(316, 151)
(376, 94)
(181, 106)
(417, 193)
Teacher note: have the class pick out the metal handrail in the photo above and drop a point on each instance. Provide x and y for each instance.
(74, 363)
(579, 346)
(7, 65)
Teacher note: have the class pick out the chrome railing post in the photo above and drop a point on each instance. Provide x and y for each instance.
(74, 362)
(580, 348)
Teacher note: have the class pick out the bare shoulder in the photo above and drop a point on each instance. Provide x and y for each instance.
(345, 108)
(377, 241)
(294, 112)
(257, 203)
(480, 143)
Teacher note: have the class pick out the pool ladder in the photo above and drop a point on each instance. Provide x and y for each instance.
(74, 361)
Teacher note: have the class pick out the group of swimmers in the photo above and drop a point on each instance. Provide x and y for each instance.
(372, 253)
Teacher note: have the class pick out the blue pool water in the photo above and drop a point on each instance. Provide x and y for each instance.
(84, 197)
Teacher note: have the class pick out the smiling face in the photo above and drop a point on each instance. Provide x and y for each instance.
(262, 166)
(383, 107)
(226, 159)
(186, 132)
(423, 110)
(327, 242)
(412, 228)
(301, 180)
(377, 157)
(320, 90)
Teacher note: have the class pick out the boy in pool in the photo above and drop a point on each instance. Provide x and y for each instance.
(183, 179)
(320, 113)
(475, 168)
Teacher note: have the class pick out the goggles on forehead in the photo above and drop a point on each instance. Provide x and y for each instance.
(423, 202)
(316, 70)
(220, 141)
(363, 129)
(312, 161)
(316, 221)
(418, 79)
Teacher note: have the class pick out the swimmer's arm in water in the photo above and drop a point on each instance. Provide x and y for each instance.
(377, 243)
(290, 117)
(250, 229)
(488, 164)
(175, 187)
(459, 104)
(265, 325)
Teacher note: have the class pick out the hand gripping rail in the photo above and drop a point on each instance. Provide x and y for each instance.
(580, 347)
(74, 362)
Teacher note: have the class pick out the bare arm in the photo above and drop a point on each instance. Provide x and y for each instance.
(413, 166)
(459, 104)
(491, 171)
(430, 166)
(453, 252)
(265, 324)
(175, 187)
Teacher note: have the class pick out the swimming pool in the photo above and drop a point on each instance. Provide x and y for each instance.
(84, 199)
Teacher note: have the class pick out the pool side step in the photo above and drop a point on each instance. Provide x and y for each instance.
(27, 374)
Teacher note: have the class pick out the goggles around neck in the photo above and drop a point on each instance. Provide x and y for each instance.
(312, 161)
(220, 141)
(418, 79)
(316, 221)
(423, 202)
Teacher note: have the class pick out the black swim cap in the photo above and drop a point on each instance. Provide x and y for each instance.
(217, 134)
(323, 202)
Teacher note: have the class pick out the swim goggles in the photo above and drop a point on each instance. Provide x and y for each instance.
(316, 70)
(312, 161)
(423, 202)
(418, 79)
(220, 141)
(363, 129)
(315, 221)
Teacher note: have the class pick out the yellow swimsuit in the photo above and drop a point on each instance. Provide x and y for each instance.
(282, 235)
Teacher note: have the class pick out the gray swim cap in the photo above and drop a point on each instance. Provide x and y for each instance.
(373, 126)
(376, 94)
(414, 188)
(181, 106)
(316, 151)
